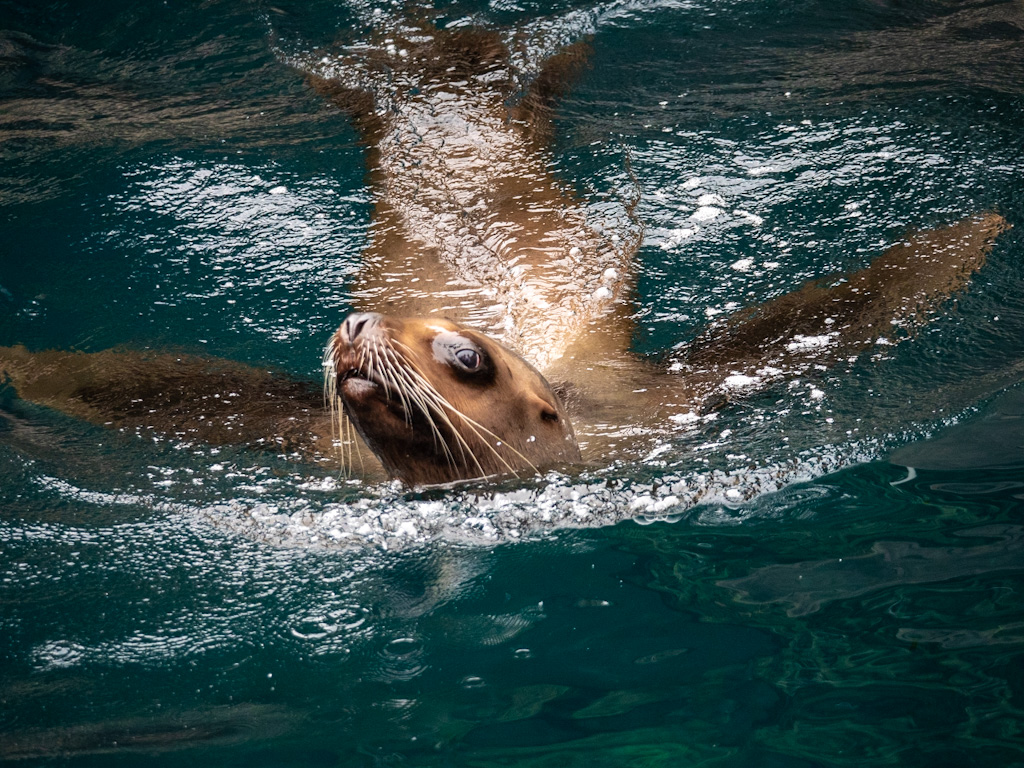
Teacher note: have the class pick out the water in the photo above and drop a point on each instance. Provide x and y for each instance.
(765, 588)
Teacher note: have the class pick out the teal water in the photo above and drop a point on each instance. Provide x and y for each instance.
(768, 589)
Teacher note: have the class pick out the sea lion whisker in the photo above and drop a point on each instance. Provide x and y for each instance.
(395, 374)
(347, 440)
(476, 427)
(465, 450)
(427, 396)
(442, 403)
(390, 364)
(423, 407)
(339, 434)
(432, 400)
(332, 401)
(418, 393)
(373, 369)
(343, 430)
(399, 345)
(395, 364)
(354, 444)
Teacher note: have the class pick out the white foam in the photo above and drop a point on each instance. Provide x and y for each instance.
(674, 237)
(706, 213)
(710, 199)
(383, 517)
(738, 381)
(649, 504)
(657, 451)
(684, 418)
(802, 343)
(750, 218)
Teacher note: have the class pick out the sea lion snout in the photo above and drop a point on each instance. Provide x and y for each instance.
(360, 324)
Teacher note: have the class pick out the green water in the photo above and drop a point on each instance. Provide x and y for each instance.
(166, 183)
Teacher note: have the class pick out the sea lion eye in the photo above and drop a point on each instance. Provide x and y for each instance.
(462, 354)
(468, 358)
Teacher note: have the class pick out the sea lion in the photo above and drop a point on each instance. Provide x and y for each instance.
(470, 231)
(470, 224)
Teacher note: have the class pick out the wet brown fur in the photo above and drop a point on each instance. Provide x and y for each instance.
(189, 397)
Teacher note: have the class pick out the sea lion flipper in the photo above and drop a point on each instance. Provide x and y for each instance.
(208, 399)
(827, 320)
(543, 88)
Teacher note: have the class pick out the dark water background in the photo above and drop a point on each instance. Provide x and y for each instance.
(165, 182)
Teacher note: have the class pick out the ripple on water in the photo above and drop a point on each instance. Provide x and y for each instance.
(400, 660)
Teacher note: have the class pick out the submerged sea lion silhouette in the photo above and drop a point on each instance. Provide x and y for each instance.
(471, 230)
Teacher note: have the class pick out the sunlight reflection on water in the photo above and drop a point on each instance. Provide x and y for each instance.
(223, 235)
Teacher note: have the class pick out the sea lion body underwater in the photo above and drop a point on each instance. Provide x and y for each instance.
(471, 231)
(469, 223)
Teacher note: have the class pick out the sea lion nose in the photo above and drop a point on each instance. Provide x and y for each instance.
(359, 323)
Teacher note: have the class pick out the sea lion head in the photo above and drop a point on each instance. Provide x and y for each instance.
(438, 402)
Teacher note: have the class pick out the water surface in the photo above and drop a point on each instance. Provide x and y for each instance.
(765, 588)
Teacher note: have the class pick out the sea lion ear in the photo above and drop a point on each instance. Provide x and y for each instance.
(543, 409)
